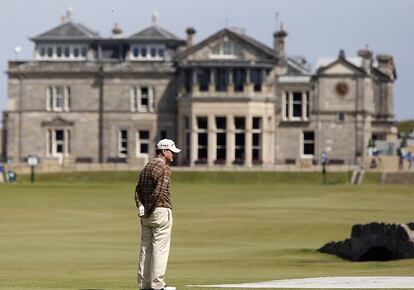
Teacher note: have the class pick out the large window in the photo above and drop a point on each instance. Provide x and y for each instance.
(256, 78)
(58, 142)
(202, 138)
(203, 79)
(308, 144)
(220, 139)
(296, 106)
(58, 98)
(239, 79)
(122, 143)
(256, 140)
(240, 133)
(142, 99)
(222, 80)
(147, 52)
(143, 139)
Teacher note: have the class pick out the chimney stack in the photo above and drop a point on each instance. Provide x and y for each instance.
(190, 36)
(155, 18)
(366, 56)
(279, 44)
(117, 31)
(386, 65)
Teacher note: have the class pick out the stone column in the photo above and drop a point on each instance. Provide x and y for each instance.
(211, 153)
(230, 85)
(248, 142)
(229, 140)
(194, 140)
(248, 87)
(212, 84)
(263, 84)
(195, 88)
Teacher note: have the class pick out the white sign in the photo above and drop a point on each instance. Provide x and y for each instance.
(32, 160)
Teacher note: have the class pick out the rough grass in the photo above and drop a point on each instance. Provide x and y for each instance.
(84, 235)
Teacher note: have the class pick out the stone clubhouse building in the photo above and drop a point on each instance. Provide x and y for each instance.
(227, 101)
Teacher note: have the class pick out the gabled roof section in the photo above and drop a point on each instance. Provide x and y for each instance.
(228, 32)
(68, 31)
(154, 32)
(343, 61)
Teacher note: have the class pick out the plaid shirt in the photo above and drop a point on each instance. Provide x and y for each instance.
(153, 188)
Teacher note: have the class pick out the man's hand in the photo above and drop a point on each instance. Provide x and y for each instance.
(141, 211)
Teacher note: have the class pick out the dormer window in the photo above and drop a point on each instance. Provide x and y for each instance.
(61, 52)
(147, 52)
(227, 48)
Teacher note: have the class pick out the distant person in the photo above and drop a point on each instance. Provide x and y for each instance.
(153, 201)
(410, 160)
(400, 159)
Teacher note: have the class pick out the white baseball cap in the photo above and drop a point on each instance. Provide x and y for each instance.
(167, 144)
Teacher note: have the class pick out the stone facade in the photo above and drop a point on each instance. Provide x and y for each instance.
(226, 101)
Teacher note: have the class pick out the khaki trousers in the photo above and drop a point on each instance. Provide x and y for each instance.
(155, 248)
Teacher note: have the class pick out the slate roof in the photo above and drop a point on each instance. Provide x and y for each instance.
(154, 32)
(68, 31)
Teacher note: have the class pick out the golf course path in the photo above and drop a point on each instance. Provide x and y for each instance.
(328, 282)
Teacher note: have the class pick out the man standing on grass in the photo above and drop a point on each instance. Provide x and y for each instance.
(153, 201)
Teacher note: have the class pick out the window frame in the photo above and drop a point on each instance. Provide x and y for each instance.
(136, 99)
(221, 130)
(257, 131)
(239, 131)
(288, 104)
(140, 141)
(159, 49)
(52, 99)
(303, 155)
(61, 52)
(220, 51)
(202, 131)
(52, 143)
(120, 143)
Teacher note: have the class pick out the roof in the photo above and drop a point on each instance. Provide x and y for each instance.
(297, 64)
(325, 61)
(265, 49)
(154, 32)
(68, 31)
(354, 63)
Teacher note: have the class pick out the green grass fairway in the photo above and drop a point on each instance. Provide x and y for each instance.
(228, 228)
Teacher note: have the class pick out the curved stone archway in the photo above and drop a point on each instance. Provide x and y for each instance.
(376, 254)
(375, 242)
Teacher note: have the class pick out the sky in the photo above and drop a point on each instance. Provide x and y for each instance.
(316, 28)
